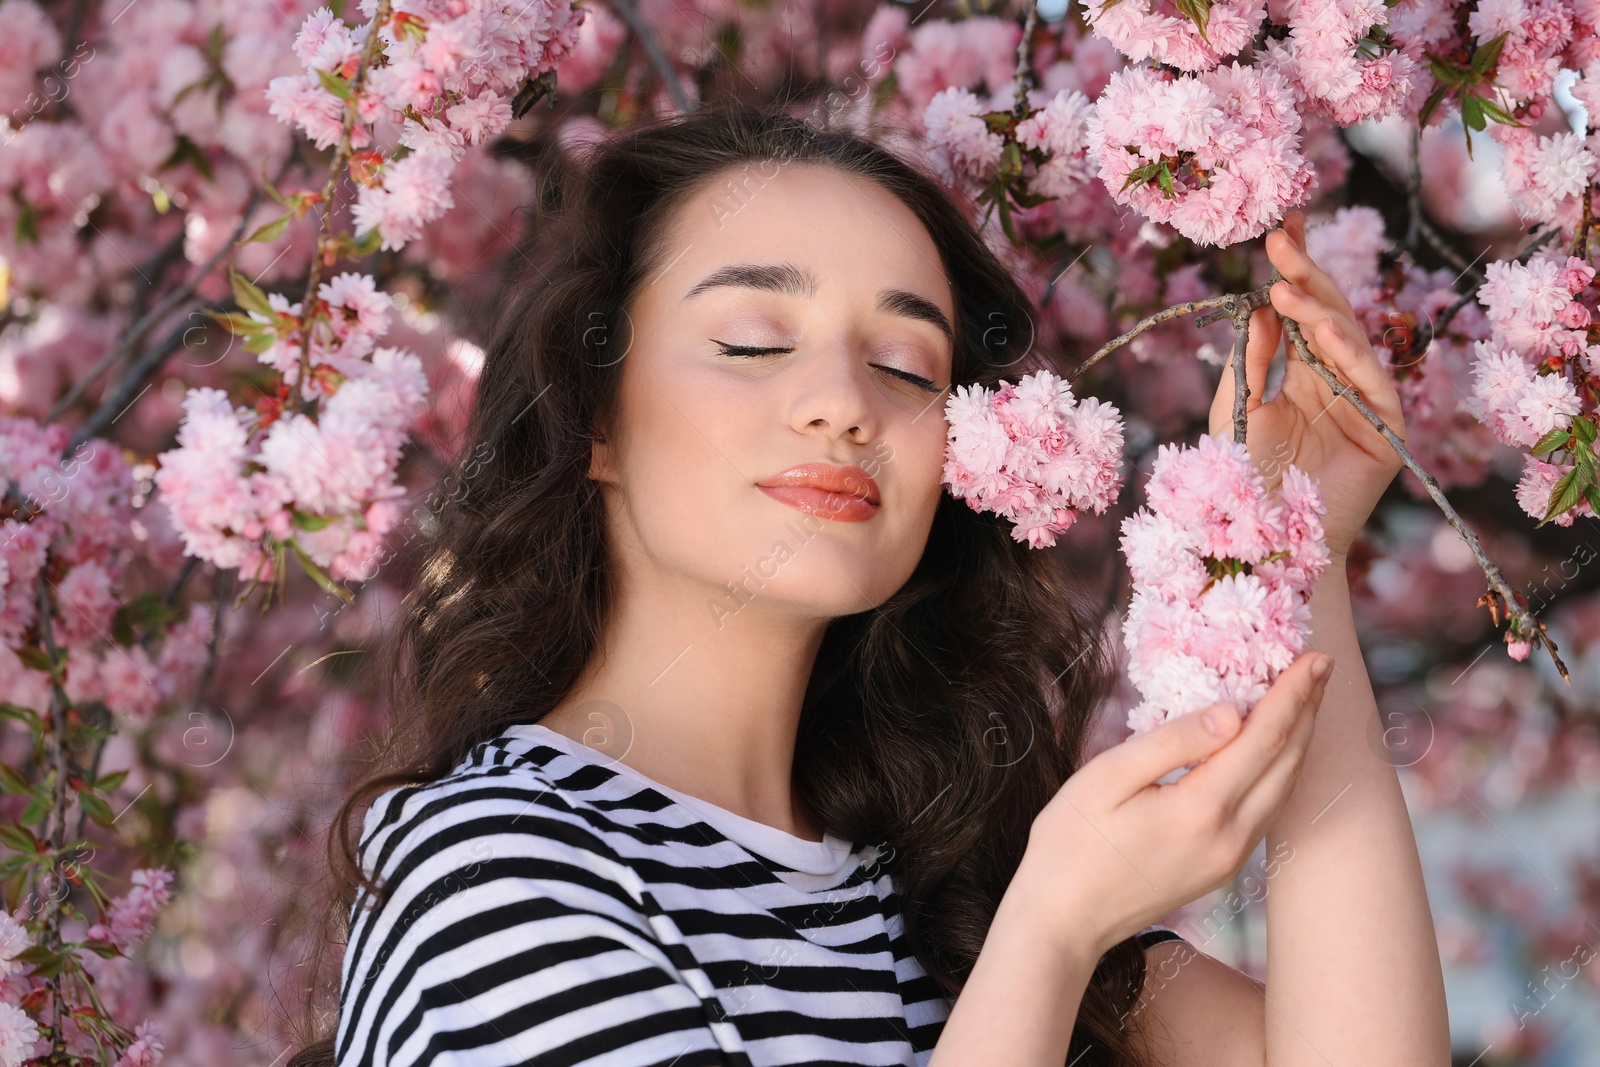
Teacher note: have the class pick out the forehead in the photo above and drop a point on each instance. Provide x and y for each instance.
(851, 233)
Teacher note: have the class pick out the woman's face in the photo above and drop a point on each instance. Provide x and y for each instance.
(796, 318)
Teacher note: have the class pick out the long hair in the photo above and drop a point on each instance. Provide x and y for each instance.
(940, 722)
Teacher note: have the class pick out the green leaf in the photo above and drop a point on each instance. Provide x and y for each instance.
(334, 84)
(248, 294)
(318, 575)
(35, 658)
(1568, 491)
(1550, 442)
(1496, 112)
(238, 323)
(104, 949)
(310, 522)
(884, 91)
(1472, 114)
(1585, 430)
(35, 954)
(35, 812)
(1444, 72)
(108, 782)
(19, 838)
(1197, 12)
(1142, 174)
(1164, 179)
(268, 231)
(1010, 162)
(97, 809)
(12, 781)
(49, 968)
(1488, 54)
(1435, 98)
(368, 243)
(26, 716)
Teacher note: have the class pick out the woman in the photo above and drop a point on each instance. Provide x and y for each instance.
(722, 735)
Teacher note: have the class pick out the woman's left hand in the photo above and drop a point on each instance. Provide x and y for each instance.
(1307, 423)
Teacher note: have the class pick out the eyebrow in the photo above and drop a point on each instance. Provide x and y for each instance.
(789, 280)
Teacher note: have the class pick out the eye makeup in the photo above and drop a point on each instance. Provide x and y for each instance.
(753, 351)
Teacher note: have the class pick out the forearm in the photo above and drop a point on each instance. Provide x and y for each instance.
(1020, 1002)
(1353, 972)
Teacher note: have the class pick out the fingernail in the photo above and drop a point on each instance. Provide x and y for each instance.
(1320, 669)
(1215, 721)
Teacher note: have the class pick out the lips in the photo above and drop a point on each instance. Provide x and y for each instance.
(826, 490)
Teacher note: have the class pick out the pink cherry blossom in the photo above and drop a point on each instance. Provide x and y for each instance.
(1222, 571)
(1032, 453)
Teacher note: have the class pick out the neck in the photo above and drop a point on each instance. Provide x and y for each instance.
(700, 701)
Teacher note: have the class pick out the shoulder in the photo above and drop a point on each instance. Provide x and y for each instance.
(498, 814)
(1195, 1010)
(481, 874)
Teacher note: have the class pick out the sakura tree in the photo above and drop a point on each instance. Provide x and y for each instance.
(241, 245)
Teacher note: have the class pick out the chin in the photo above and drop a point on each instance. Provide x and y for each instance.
(808, 579)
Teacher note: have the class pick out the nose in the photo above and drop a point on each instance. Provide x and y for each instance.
(833, 395)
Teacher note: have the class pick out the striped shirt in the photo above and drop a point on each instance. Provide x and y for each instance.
(552, 906)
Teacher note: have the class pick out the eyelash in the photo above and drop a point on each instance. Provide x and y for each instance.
(752, 351)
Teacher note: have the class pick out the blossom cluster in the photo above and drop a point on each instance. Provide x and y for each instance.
(1534, 379)
(1340, 61)
(240, 482)
(1160, 32)
(1223, 570)
(1216, 155)
(71, 522)
(1032, 453)
(443, 77)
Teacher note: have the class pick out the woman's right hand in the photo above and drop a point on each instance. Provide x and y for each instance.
(1113, 852)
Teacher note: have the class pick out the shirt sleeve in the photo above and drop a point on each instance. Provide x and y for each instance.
(513, 935)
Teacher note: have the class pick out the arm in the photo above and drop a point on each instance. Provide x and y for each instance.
(1350, 913)
(1020, 1001)
(1353, 972)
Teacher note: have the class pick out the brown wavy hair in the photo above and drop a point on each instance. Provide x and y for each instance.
(940, 722)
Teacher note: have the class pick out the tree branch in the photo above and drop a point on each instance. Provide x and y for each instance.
(1241, 386)
(341, 155)
(652, 50)
(134, 382)
(1024, 79)
(135, 333)
(1523, 621)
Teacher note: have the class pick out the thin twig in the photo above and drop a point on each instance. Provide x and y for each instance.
(1524, 623)
(134, 382)
(1165, 315)
(1241, 386)
(652, 50)
(1414, 193)
(56, 749)
(136, 332)
(1430, 330)
(1024, 78)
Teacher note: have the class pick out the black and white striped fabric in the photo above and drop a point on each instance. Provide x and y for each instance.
(551, 906)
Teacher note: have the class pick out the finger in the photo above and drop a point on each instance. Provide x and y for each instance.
(1227, 776)
(1266, 330)
(1337, 341)
(1294, 224)
(1298, 267)
(1263, 801)
(1142, 758)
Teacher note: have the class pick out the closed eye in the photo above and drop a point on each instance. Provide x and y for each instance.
(754, 350)
(746, 350)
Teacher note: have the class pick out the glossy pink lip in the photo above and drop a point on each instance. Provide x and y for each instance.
(827, 490)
